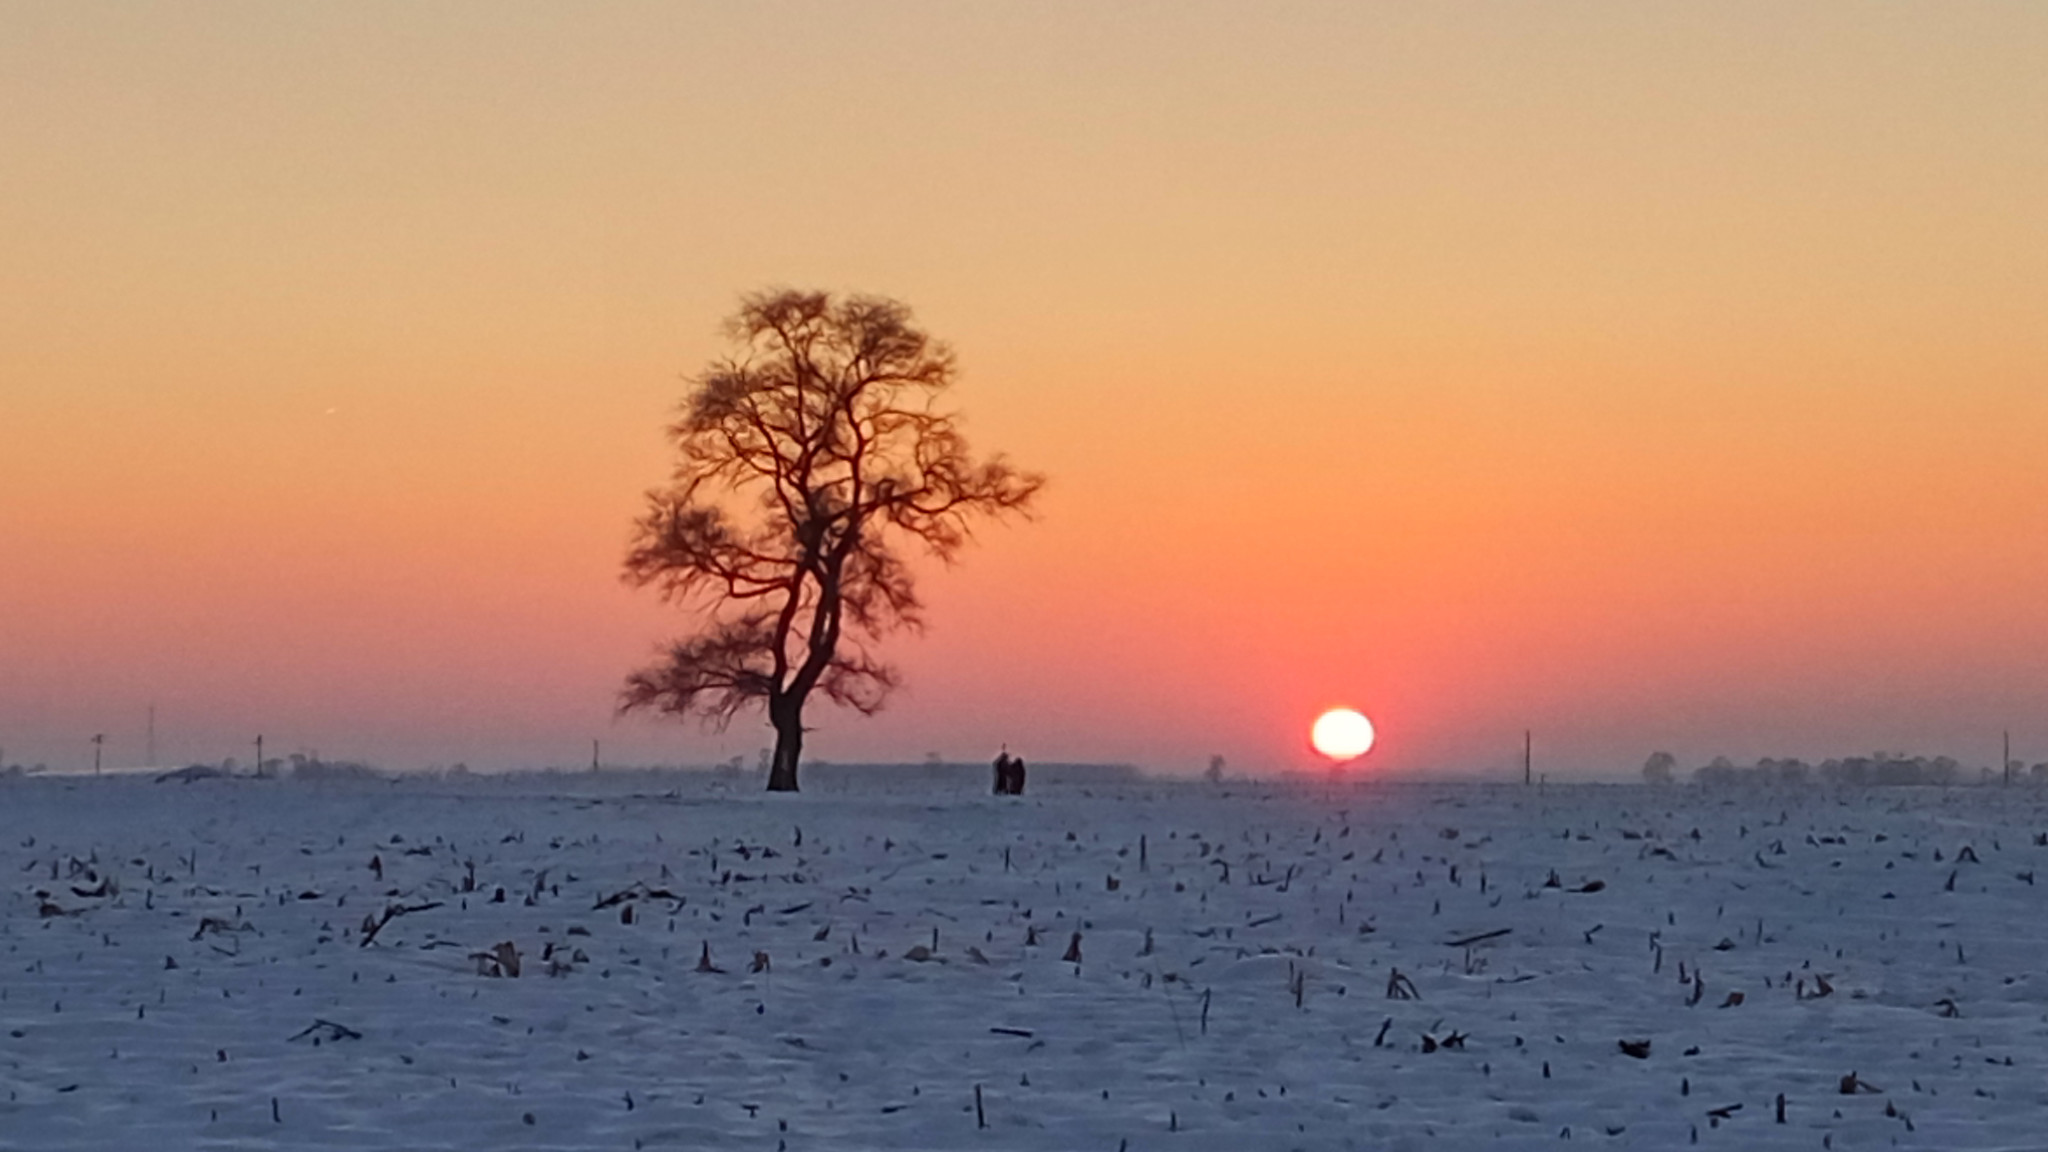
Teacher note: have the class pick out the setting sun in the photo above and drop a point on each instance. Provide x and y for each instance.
(1342, 734)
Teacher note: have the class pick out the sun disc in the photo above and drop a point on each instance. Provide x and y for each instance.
(1342, 734)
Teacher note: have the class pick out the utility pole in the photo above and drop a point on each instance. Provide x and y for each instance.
(1528, 747)
(150, 741)
(593, 755)
(99, 740)
(259, 755)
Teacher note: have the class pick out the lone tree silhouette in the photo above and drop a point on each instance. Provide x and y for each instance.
(807, 457)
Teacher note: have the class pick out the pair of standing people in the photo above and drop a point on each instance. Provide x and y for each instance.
(1009, 774)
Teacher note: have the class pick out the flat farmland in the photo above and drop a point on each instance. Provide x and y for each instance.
(1153, 965)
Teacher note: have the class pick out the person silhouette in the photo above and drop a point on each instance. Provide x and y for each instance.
(1016, 775)
(1002, 766)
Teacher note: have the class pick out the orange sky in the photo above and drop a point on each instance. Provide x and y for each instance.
(1651, 377)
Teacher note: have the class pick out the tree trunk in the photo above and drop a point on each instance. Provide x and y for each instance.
(787, 717)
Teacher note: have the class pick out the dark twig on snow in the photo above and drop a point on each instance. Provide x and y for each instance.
(1400, 987)
(638, 890)
(327, 1030)
(1468, 941)
(374, 925)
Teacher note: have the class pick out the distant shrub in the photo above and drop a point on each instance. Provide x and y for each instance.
(313, 769)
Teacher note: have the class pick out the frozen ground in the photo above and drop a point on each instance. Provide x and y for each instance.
(175, 961)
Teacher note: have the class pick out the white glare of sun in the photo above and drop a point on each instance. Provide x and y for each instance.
(1342, 734)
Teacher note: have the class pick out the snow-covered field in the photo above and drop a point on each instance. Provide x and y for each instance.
(184, 966)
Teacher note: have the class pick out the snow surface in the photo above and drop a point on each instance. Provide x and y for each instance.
(193, 1002)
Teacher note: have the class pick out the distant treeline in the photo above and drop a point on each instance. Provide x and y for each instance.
(943, 774)
(297, 765)
(1878, 770)
(820, 774)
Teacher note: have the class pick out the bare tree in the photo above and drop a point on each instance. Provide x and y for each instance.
(806, 458)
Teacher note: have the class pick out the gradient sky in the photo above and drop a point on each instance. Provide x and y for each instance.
(1651, 376)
